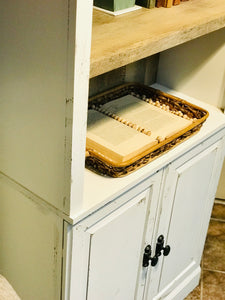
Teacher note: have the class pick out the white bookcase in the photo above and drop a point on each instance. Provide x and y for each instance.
(66, 232)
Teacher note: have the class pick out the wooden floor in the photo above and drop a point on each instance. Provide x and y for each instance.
(212, 284)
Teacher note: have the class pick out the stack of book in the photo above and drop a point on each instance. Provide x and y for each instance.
(158, 3)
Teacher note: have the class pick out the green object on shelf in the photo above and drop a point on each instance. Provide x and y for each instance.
(146, 3)
(114, 5)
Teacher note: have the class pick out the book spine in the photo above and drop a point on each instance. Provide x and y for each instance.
(159, 3)
(168, 3)
(152, 3)
(176, 2)
(146, 3)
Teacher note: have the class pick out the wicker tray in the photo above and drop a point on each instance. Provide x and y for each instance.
(105, 166)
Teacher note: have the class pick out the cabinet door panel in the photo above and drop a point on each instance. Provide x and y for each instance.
(115, 248)
(107, 247)
(192, 185)
(190, 200)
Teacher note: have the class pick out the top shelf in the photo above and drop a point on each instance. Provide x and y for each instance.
(120, 40)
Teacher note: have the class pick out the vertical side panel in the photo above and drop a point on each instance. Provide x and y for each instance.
(196, 68)
(30, 246)
(83, 30)
(33, 76)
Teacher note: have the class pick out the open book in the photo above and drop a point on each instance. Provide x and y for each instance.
(128, 126)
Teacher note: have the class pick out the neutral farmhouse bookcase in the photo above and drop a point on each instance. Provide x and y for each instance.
(66, 232)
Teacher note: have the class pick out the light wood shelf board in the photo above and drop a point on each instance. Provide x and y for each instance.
(120, 40)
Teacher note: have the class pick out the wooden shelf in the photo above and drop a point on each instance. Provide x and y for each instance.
(120, 40)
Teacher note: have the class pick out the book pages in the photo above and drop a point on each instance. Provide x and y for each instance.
(161, 123)
(114, 139)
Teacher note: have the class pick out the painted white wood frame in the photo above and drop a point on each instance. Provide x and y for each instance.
(45, 50)
(33, 95)
(81, 49)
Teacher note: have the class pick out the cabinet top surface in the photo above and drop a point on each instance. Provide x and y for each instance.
(120, 40)
(99, 190)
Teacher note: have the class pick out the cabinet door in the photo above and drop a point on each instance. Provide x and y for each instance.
(108, 251)
(115, 247)
(186, 205)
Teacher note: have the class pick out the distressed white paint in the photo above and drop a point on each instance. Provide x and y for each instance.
(77, 241)
(116, 251)
(42, 83)
(191, 156)
(110, 260)
(191, 200)
(33, 78)
(30, 246)
(102, 244)
(76, 261)
(150, 231)
(83, 23)
(78, 238)
(45, 50)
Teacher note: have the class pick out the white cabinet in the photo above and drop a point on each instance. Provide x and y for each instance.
(176, 203)
(67, 233)
(185, 207)
(113, 246)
